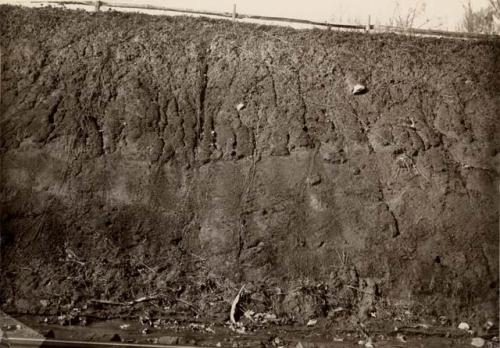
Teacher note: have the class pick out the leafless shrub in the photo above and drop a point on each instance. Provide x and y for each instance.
(495, 5)
(407, 19)
(483, 20)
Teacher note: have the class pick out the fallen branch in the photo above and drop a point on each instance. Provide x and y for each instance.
(129, 303)
(110, 302)
(234, 305)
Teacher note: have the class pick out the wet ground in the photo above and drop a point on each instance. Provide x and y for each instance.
(34, 331)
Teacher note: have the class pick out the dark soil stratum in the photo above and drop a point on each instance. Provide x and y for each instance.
(178, 159)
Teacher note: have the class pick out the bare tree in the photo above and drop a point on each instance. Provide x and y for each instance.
(495, 5)
(481, 21)
(407, 20)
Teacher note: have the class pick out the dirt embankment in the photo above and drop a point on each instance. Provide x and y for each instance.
(181, 158)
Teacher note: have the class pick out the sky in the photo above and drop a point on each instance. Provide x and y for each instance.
(437, 14)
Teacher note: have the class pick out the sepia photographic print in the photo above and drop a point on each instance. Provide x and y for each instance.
(249, 174)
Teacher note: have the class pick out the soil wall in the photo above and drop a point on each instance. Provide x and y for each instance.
(182, 157)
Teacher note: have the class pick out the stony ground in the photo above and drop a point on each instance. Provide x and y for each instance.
(151, 166)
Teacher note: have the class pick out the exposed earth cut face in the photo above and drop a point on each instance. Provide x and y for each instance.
(182, 158)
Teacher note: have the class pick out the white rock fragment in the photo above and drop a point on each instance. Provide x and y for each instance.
(234, 305)
(313, 179)
(240, 106)
(338, 309)
(369, 343)
(463, 326)
(478, 342)
(401, 338)
(312, 322)
(358, 89)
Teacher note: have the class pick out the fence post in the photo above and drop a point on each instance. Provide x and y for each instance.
(97, 5)
(234, 10)
(368, 25)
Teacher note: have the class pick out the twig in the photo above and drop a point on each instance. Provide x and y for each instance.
(342, 258)
(144, 264)
(129, 303)
(81, 263)
(144, 299)
(193, 307)
(358, 289)
(198, 257)
(110, 302)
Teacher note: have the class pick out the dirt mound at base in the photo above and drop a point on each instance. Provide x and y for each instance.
(178, 158)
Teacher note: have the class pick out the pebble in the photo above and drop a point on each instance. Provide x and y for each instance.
(12, 327)
(312, 322)
(358, 89)
(313, 180)
(477, 342)
(401, 338)
(368, 343)
(463, 326)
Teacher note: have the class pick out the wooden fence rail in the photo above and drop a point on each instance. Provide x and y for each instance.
(234, 15)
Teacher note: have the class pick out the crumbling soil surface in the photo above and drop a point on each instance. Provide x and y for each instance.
(151, 166)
